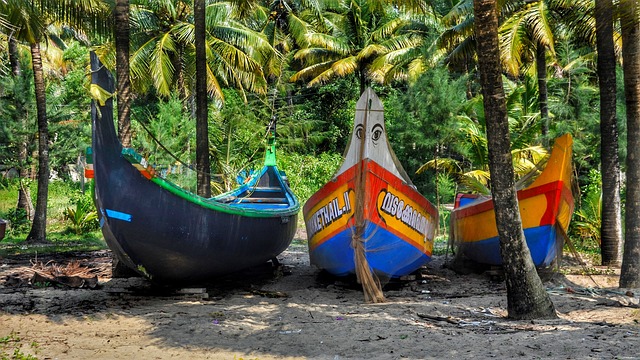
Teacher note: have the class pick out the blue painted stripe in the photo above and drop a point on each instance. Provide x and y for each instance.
(118, 215)
(541, 241)
(387, 254)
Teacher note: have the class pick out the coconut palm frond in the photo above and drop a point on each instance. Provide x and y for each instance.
(299, 29)
(346, 66)
(447, 165)
(329, 42)
(162, 70)
(312, 71)
(314, 55)
(476, 181)
(512, 41)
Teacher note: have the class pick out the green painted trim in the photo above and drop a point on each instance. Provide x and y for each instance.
(214, 205)
(270, 153)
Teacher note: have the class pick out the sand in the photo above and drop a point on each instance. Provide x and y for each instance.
(299, 312)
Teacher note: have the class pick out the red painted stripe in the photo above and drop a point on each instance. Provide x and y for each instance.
(391, 179)
(328, 188)
(487, 205)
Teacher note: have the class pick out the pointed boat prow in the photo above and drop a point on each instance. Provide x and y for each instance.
(546, 207)
(370, 193)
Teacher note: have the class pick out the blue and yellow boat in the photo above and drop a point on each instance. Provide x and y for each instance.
(546, 207)
(370, 203)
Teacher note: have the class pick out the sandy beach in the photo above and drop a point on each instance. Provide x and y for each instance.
(298, 312)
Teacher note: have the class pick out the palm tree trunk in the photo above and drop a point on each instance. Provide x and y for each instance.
(14, 61)
(24, 195)
(541, 67)
(630, 271)
(203, 164)
(121, 14)
(38, 231)
(611, 228)
(526, 296)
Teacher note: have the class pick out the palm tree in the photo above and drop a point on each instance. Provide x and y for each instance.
(630, 21)
(526, 36)
(356, 32)
(28, 24)
(24, 194)
(526, 296)
(203, 163)
(121, 30)
(611, 229)
(163, 36)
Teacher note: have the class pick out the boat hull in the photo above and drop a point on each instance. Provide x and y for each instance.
(168, 235)
(399, 224)
(545, 207)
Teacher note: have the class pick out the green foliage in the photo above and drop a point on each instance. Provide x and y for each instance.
(447, 188)
(18, 221)
(82, 215)
(307, 173)
(318, 119)
(17, 101)
(585, 228)
(237, 132)
(422, 123)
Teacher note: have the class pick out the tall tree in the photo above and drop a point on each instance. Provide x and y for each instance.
(24, 194)
(121, 29)
(164, 49)
(28, 22)
(38, 231)
(526, 296)
(611, 228)
(203, 164)
(354, 34)
(630, 22)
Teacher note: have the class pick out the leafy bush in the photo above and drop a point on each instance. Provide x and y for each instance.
(82, 215)
(587, 219)
(17, 221)
(307, 173)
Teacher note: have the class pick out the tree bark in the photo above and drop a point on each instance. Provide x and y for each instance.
(611, 228)
(38, 231)
(526, 296)
(24, 195)
(630, 271)
(541, 67)
(203, 164)
(121, 15)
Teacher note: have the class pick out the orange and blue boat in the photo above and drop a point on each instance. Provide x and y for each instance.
(370, 200)
(546, 207)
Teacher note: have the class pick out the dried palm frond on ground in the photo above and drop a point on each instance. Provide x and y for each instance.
(72, 274)
(75, 274)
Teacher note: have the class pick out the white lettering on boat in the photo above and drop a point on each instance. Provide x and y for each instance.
(394, 206)
(328, 214)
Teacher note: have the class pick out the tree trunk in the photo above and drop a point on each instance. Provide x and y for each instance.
(630, 272)
(202, 124)
(14, 60)
(24, 195)
(541, 67)
(611, 228)
(526, 296)
(38, 231)
(121, 15)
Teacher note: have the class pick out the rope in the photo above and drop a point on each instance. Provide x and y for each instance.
(218, 176)
(370, 282)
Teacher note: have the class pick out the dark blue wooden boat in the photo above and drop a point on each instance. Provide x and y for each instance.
(174, 236)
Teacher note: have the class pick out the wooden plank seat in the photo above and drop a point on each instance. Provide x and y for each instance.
(267, 188)
(270, 200)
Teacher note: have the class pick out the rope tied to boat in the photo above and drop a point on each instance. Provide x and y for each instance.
(370, 282)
